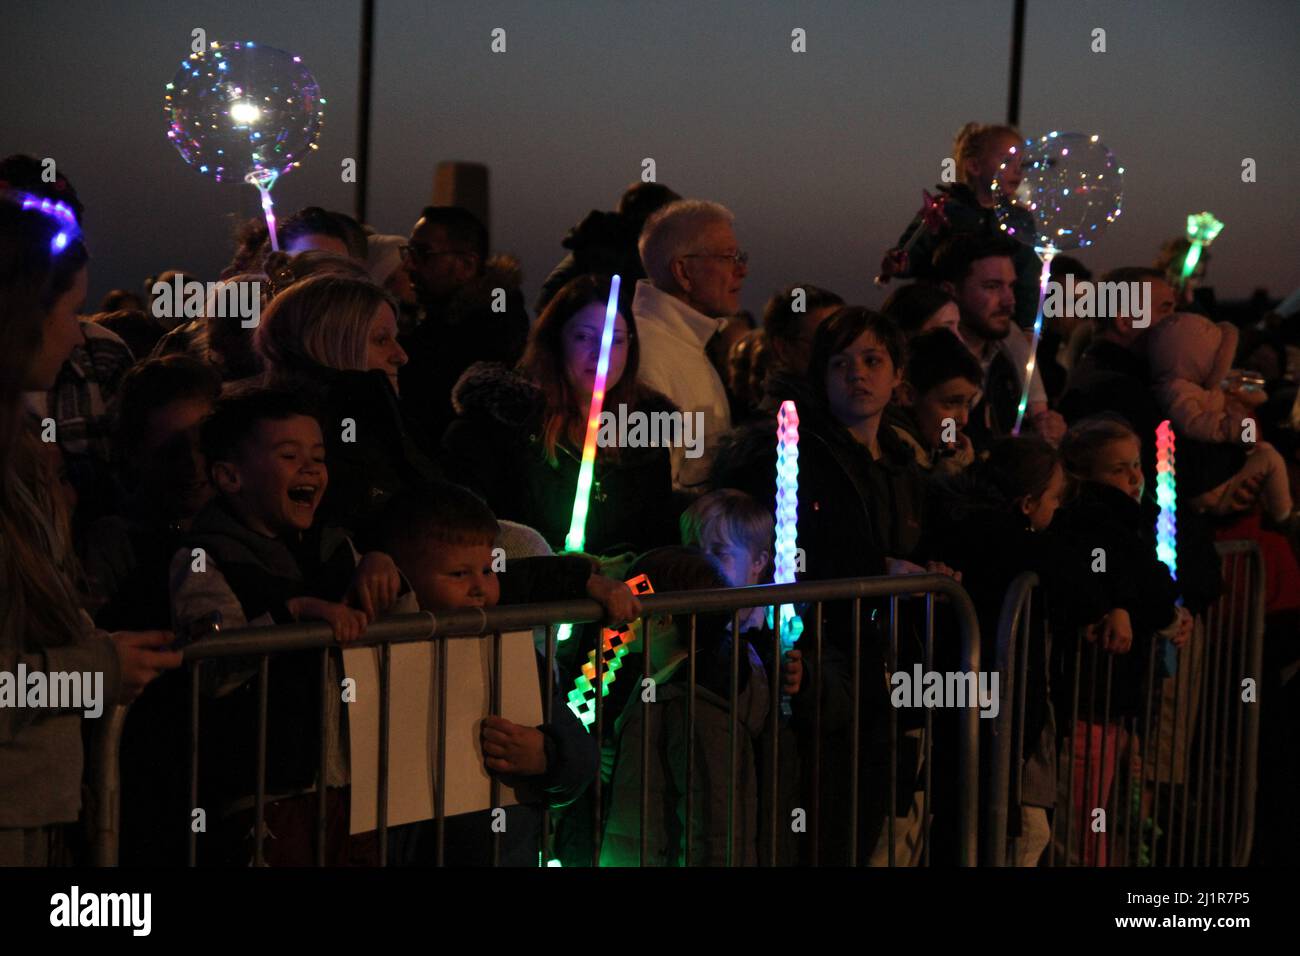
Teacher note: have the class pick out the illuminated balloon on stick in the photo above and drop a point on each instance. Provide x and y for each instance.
(243, 112)
(1072, 188)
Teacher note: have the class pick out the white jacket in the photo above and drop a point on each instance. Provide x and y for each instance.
(673, 361)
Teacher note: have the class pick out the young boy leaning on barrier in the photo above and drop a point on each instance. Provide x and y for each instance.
(442, 539)
(255, 556)
(664, 725)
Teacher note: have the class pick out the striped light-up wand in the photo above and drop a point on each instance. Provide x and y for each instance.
(614, 643)
(1167, 498)
(577, 536)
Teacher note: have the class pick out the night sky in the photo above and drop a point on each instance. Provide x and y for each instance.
(821, 155)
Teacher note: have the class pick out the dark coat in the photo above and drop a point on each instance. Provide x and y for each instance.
(384, 459)
(853, 511)
(967, 217)
(264, 574)
(1106, 518)
(667, 736)
(604, 243)
(1110, 379)
(493, 448)
(454, 335)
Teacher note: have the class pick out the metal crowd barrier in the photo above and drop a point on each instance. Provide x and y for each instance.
(261, 643)
(1175, 782)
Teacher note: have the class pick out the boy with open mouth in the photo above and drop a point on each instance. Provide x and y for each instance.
(256, 556)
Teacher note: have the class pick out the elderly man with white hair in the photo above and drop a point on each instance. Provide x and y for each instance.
(695, 271)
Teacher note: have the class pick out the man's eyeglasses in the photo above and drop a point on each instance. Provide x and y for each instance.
(419, 254)
(735, 258)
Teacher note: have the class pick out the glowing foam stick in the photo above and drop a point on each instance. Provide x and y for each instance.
(1048, 254)
(789, 624)
(1202, 228)
(1167, 498)
(577, 535)
(614, 643)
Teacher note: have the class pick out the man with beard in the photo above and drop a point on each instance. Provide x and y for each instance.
(474, 312)
(978, 272)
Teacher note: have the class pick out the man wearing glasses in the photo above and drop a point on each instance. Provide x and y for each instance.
(695, 271)
(455, 282)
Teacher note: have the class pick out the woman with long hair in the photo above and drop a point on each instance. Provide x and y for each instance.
(519, 434)
(43, 629)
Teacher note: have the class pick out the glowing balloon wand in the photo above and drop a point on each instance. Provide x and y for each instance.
(577, 536)
(1044, 277)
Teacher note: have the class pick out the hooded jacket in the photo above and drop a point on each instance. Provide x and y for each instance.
(666, 727)
(494, 448)
(1190, 355)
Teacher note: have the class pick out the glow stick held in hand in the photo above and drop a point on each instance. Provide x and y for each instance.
(614, 643)
(577, 536)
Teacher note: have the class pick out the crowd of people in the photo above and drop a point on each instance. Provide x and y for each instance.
(395, 415)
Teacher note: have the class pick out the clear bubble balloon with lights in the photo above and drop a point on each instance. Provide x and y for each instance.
(243, 112)
(1070, 189)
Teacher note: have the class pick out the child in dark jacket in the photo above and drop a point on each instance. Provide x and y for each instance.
(662, 719)
(1009, 498)
(1120, 598)
(735, 529)
(443, 541)
(254, 556)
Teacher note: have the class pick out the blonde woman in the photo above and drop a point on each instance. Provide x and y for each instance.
(335, 338)
(43, 629)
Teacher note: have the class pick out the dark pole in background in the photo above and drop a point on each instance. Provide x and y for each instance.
(1017, 59)
(363, 108)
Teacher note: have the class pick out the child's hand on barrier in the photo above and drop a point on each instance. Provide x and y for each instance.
(513, 748)
(792, 673)
(375, 584)
(142, 657)
(620, 604)
(1116, 631)
(348, 623)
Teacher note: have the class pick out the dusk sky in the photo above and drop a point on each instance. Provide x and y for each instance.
(821, 155)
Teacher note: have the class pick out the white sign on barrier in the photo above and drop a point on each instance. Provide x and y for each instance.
(413, 724)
